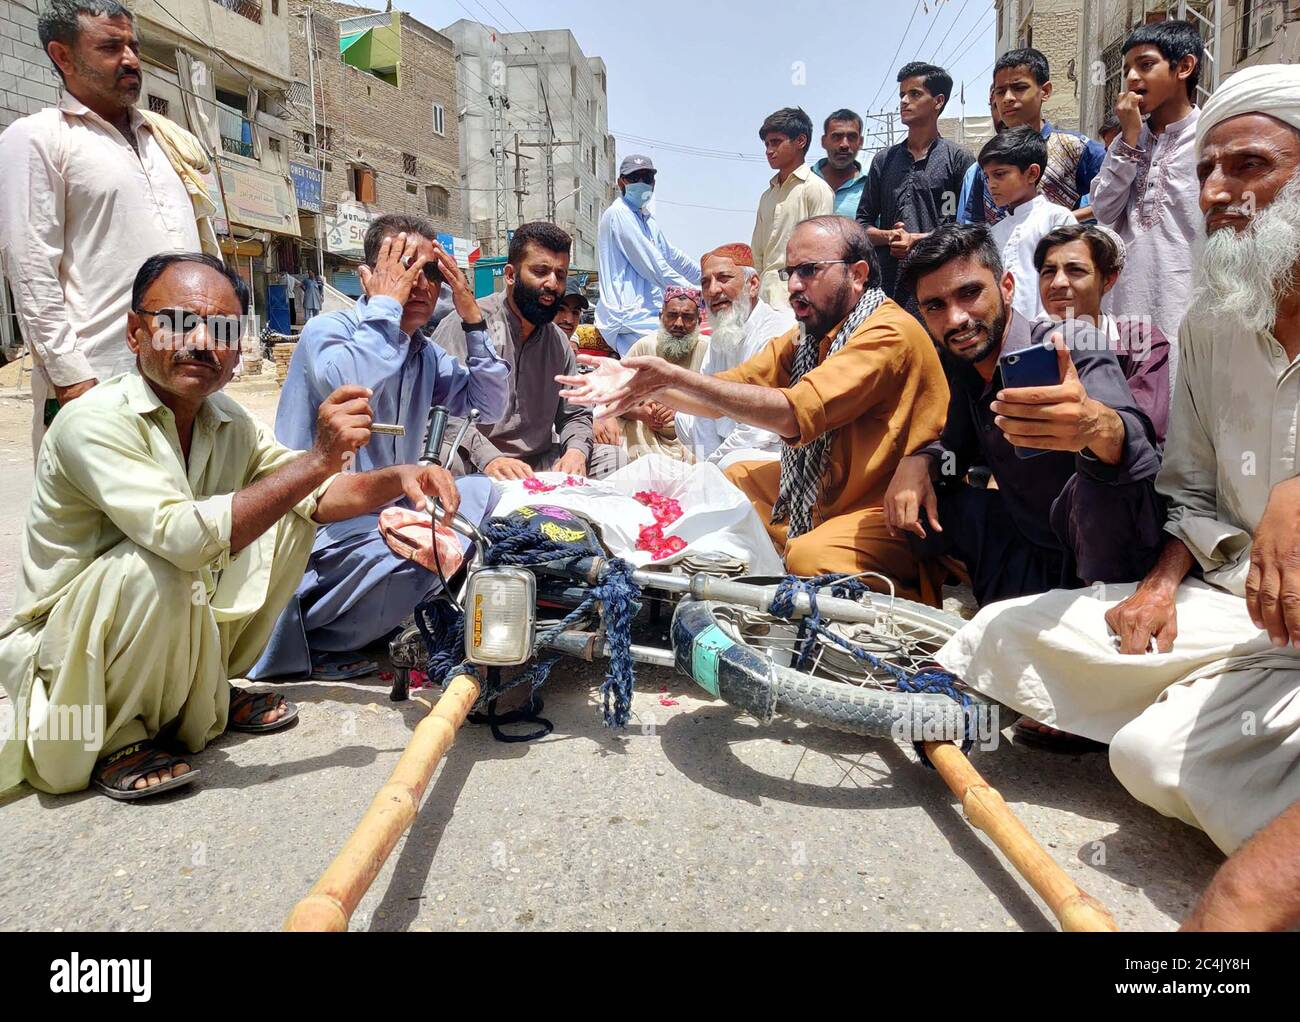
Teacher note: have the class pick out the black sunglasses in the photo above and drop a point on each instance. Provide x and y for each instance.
(225, 331)
(432, 272)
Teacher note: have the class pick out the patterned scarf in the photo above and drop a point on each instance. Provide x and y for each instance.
(802, 468)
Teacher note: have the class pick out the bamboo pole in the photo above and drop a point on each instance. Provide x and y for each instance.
(987, 810)
(330, 903)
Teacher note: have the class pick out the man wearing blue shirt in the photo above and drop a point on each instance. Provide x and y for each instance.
(355, 590)
(839, 168)
(635, 260)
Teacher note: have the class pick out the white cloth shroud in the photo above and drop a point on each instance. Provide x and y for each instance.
(717, 518)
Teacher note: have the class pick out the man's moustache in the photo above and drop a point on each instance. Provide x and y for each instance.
(196, 355)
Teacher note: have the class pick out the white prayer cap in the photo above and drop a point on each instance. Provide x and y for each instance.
(1272, 89)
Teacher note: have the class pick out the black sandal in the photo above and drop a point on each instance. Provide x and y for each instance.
(249, 706)
(1028, 732)
(115, 775)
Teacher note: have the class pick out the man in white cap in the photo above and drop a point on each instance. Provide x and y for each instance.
(1193, 675)
(635, 260)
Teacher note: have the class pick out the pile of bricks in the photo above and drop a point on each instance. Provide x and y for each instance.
(251, 357)
(282, 352)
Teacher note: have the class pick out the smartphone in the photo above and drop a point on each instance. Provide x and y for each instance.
(1033, 366)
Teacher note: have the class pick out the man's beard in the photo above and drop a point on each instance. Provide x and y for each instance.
(528, 301)
(1247, 274)
(824, 320)
(676, 349)
(993, 336)
(728, 337)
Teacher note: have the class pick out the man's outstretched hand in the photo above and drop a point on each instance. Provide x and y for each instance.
(613, 387)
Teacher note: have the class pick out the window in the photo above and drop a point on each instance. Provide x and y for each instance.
(439, 119)
(158, 105)
(324, 137)
(437, 202)
(408, 164)
(1260, 20)
(250, 9)
(328, 165)
(412, 188)
(275, 144)
(275, 7)
(363, 184)
(300, 94)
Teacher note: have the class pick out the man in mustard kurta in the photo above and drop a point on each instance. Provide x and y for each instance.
(856, 387)
(167, 530)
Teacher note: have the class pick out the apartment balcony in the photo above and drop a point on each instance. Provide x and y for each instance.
(236, 132)
(250, 9)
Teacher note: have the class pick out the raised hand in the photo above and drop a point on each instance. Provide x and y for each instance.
(397, 266)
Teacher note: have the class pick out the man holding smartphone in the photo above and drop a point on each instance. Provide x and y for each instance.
(1074, 455)
(356, 589)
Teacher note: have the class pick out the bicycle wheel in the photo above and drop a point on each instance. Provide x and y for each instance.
(745, 657)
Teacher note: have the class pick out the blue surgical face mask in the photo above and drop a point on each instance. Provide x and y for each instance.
(639, 194)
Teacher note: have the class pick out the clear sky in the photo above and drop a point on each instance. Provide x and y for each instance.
(704, 74)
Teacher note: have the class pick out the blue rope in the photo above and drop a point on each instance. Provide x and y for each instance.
(932, 680)
(615, 591)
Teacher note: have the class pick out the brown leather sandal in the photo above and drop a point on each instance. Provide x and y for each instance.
(115, 775)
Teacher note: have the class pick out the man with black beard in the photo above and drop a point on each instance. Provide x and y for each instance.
(1193, 675)
(540, 431)
(853, 389)
(1075, 463)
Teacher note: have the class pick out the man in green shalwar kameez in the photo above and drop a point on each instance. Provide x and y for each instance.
(167, 530)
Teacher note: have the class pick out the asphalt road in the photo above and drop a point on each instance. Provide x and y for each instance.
(694, 818)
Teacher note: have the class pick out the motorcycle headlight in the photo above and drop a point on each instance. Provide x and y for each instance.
(500, 614)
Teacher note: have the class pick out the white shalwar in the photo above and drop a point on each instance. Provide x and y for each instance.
(1209, 733)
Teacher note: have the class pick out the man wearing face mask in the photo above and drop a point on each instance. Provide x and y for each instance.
(636, 261)
(539, 431)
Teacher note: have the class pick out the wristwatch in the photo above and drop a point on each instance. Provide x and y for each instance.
(468, 327)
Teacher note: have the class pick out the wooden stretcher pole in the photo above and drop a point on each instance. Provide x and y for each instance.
(330, 904)
(987, 810)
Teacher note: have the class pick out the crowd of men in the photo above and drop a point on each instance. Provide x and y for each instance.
(1129, 520)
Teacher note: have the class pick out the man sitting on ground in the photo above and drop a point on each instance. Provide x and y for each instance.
(166, 532)
(356, 590)
(1193, 675)
(539, 431)
(1077, 266)
(854, 390)
(1084, 506)
(649, 428)
(742, 325)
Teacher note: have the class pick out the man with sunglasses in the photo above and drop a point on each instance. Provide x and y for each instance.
(356, 590)
(854, 389)
(637, 263)
(166, 531)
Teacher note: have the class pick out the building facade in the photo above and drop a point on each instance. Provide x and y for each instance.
(373, 107)
(534, 134)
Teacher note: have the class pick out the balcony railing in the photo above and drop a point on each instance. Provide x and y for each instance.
(250, 9)
(236, 131)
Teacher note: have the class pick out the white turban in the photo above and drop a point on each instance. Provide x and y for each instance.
(1272, 89)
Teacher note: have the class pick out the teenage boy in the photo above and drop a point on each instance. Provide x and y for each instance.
(914, 186)
(795, 194)
(1021, 84)
(1147, 190)
(1012, 164)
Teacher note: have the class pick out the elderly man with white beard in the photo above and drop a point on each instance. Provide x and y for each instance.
(1193, 675)
(742, 324)
(649, 428)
